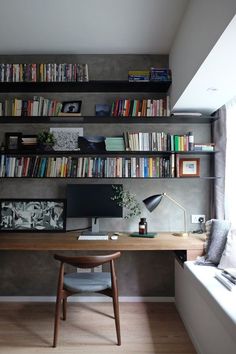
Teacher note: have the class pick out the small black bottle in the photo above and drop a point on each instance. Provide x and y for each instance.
(143, 226)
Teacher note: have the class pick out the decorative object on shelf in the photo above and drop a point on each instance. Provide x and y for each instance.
(91, 144)
(46, 141)
(142, 226)
(160, 74)
(128, 201)
(102, 110)
(32, 215)
(189, 167)
(71, 108)
(13, 142)
(66, 138)
(153, 201)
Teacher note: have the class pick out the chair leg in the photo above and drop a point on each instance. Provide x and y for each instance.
(57, 320)
(117, 314)
(64, 308)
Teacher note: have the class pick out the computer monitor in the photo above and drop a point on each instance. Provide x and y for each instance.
(93, 201)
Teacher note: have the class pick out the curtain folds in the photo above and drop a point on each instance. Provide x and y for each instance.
(230, 168)
(218, 190)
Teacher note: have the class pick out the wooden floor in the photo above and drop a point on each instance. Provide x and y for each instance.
(145, 328)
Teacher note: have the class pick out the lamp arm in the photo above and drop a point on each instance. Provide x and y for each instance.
(174, 201)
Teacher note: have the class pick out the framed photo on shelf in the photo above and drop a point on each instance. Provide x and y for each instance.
(32, 215)
(71, 108)
(102, 110)
(13, 142)
(66, 138)
(189, 167)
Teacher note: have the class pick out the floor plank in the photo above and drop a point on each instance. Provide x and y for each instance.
(146, 328)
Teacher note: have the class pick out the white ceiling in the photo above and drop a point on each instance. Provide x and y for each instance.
(135, 27)
(89, 26)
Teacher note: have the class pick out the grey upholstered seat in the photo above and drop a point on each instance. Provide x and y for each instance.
(104, 283)
(92, 282)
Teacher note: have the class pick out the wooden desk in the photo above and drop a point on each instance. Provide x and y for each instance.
(193, 245)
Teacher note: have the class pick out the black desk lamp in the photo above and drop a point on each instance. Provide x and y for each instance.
(153, 201)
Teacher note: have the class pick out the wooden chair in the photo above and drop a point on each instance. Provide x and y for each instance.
(72, 283)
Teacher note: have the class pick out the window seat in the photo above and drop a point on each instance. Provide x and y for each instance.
(207, 308)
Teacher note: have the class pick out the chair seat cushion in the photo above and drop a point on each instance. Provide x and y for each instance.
(87, 282)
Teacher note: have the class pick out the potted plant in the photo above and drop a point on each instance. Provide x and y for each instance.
(128, 201)
(46, 140)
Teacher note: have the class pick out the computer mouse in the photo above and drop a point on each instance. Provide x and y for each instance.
(114, 237)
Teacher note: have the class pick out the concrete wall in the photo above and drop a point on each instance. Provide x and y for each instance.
(140, 273)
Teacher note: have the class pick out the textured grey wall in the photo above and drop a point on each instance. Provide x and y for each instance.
(140, 273)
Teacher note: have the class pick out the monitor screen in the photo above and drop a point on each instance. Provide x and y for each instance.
(92, 200)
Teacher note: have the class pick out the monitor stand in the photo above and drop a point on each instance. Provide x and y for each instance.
(95, 229)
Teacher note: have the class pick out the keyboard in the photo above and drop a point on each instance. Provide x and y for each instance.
(93, 237)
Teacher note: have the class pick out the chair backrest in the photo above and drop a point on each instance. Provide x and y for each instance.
(87, 261)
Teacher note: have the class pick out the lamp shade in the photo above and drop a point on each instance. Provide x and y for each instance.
(153, 201)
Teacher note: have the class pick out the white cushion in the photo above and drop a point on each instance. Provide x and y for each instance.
(228, 258)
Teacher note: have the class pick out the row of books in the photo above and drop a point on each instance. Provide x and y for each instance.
(37, 106)
(81, 167)
(158, 141)
(141, 108)
(154, 74)
(50, 72)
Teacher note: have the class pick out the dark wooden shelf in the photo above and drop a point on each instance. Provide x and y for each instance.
(143, 178)
(108, 120)
(105, 153)
(90, 86)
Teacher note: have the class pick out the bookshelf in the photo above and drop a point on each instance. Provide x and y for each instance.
(104, 86)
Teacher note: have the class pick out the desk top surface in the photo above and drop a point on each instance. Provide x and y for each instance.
(164, 241)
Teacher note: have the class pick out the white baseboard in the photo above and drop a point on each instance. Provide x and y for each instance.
(86, 299)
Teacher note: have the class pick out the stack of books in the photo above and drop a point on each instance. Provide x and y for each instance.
(204, 147)
(228, 278)
(114, 144)
(139, 75)
(158, 74)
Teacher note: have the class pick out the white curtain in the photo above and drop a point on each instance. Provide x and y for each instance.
(230, 168)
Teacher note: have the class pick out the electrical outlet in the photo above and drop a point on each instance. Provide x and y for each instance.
(195, 218)
(98, 269)
(83, 270)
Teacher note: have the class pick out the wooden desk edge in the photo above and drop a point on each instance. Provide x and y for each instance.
(193, 245)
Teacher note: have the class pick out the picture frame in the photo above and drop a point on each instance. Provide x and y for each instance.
(189, 167)
(71, 108)
(102, 110)
(66, 138)
(32, 215)
(13, 142)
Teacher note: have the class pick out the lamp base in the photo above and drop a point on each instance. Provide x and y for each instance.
(180, 234)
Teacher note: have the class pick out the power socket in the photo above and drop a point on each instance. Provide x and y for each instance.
(83, 270)
(195, 218)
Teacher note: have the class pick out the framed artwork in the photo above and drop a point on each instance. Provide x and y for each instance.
(102, 110)
(71, 108)
(189, 167)
(13, 142)
(32, 215)
(66, 138)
